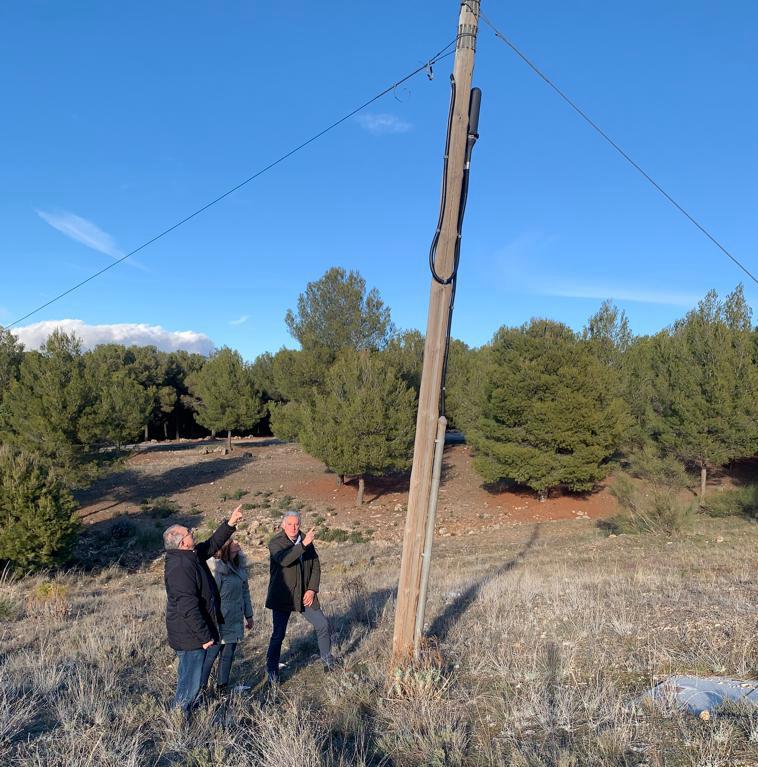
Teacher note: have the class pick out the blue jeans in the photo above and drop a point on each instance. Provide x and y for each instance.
(188, 679)
(316, 618)
(226, 651)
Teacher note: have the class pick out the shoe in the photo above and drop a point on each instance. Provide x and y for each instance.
(221, 690)
(273, 678)
(241, 688)
(331, 664)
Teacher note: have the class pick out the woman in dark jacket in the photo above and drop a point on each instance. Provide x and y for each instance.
(229, 569)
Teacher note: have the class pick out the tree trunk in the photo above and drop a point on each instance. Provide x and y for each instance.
(177, 429)
(165, 430)
(229, 438)
(213, 434)
(340, 480)
(703, 479)
(542, 495)
(361, 488)
(146, 437)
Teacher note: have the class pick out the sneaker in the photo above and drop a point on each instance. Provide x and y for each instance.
(273, 678)
(241, 688)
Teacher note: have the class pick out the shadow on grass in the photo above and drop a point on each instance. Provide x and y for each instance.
(132, 486)
(457, 608)
(350, 627)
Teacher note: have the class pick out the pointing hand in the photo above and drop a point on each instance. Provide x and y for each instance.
(309, 536)
(235, 517)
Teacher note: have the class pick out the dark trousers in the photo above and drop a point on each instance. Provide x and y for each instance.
(316, 618)
(188, 678)
(226, 651)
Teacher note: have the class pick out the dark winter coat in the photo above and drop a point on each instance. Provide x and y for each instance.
(293, 570)
(193, 608)
(232, 581)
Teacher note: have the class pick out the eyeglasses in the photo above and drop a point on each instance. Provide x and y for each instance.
(191, 532)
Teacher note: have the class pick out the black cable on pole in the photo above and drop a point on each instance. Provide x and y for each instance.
(610, 141)
(452, 279)
(442, 54)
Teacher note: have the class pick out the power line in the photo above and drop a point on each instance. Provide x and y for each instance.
(607, 138)
(442, 54)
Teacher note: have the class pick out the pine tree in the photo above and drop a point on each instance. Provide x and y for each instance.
(547, 414)
(336, 313)
(363, 422)
(123, 407)
(706, 386)
(46, 410)
(11, 354)
(37, 523)
(226, 394)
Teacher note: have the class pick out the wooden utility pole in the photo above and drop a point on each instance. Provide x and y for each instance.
(436, 338)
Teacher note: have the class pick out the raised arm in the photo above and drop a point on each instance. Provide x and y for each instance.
(284, 552)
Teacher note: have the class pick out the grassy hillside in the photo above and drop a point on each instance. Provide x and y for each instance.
(543, 641)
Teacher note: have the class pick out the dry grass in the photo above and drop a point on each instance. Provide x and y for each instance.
(544, 644)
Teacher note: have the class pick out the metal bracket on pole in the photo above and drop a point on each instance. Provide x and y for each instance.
(439, 448)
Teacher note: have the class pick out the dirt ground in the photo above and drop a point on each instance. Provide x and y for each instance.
(265, 475)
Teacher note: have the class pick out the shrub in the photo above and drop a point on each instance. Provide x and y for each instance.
(742, 501)
(149, 540)
(649, 508)
(49, 599)
(160, 507)
(37, 523)
(337, 535)
(9, 609)
(123, 529)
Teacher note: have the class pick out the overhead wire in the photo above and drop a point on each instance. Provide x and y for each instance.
(426, 66)
(613, 143)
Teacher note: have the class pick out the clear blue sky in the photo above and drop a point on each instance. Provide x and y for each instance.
(121, 118)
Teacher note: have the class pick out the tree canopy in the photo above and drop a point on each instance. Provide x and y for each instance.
(548, 416)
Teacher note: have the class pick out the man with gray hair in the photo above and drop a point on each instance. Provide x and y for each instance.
(294, 578)
(193, 606)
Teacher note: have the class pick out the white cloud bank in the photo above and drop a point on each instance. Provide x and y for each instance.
(33, 336)
(382, 124)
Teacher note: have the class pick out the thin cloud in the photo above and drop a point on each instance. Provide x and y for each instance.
(244, 318)
(33, 336)
(87, 233)
(383, 124)
(524, 261)
(615, 293)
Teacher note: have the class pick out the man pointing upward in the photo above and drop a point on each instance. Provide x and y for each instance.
(294, 577)
(193, 607)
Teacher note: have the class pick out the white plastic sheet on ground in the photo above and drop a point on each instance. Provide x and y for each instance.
(703, 696)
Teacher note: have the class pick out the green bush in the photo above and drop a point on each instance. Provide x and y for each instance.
(235, 496)
(742, 501)
(9, 609)
(160, 507)
(337, 535)
(649, 508)
(123, 529)
(37, 523)
(149, 540)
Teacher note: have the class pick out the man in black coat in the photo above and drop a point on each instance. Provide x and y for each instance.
(193, 607)
(294, 577)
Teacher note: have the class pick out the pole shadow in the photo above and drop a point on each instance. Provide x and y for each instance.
(458, 607)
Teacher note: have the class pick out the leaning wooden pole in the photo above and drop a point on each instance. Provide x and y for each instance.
(436, 335)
